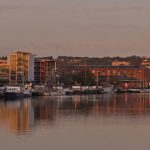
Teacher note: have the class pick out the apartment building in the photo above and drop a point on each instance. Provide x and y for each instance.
(4, 70)
(21, 67)
(45, 69)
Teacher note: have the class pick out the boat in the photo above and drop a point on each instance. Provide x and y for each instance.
(12, 92)
(108, 89)
(38, 90)
(87, 90)
(144, 90)
(58, 91)
(26, 93)
(133, 91)
(47, 94)
(120, 90)
(2, 92)
(76, 89)
(68, 91)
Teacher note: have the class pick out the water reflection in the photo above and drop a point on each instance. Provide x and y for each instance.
(24, 116)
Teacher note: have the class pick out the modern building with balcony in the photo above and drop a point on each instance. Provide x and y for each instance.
(4, 71)
(21, 67)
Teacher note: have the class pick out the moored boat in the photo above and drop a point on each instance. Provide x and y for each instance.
(2, 92)
(58, 91)
(134, 91)
(108, 89)
(26, 93)
(120, 90)
(68, 91)
(12, 92)
(38, 90)
(144, 90)
(47, 94)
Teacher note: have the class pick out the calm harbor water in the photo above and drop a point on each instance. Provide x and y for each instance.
(116, 122)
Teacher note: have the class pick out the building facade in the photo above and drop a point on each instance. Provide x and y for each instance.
(130, 76)
(120, 63)
(21, 67)
(4, 70)
(45, 69)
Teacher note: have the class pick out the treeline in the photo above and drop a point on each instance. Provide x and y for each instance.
(133, 60)
(81, 78)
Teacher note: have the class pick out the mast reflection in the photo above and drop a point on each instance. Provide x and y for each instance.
(25, 115)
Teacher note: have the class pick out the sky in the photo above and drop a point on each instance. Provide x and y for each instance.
(75, 27)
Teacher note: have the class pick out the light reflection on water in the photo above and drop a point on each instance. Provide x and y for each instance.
(24, 115)
(89, 120)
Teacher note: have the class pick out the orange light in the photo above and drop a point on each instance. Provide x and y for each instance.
(93, 71)
(126, 85)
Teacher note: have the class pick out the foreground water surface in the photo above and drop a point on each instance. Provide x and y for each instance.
(116, 122)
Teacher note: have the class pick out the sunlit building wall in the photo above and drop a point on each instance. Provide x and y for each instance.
(140, 76)
(21, 67)
(120, 63)
(4, 70)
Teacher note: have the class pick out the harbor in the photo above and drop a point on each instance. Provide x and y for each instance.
(57, 120)
(23, 75)
(75, 101)
(27, 91)
(74, 75)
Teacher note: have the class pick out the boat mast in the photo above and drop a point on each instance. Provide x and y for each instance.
(85, 75)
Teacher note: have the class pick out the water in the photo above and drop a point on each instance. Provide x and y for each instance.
(116, 122)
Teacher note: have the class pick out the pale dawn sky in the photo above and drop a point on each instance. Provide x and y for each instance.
(75, 27)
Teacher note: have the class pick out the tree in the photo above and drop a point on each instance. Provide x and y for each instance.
(3, 82)
(85, 78)
(66, 79)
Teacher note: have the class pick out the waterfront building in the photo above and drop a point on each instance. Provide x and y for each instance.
(72, 64)
(45, 70)
(4, 70)
(21, 67)
(130, 76)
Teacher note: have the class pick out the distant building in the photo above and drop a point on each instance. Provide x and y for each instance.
(45, 68)
(138, 76)
(68, 65)
(146, 63)
(21, 67)
(120, 63)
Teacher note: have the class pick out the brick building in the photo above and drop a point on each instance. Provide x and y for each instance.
(130, 76)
